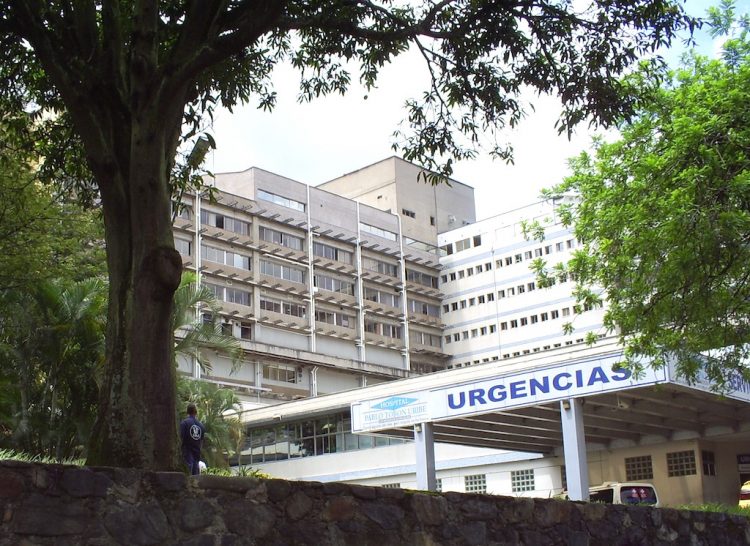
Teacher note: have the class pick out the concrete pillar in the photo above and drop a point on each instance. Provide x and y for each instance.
(424, 444)
(574, 446)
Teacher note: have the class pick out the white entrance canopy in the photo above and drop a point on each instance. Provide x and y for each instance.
(558, 402)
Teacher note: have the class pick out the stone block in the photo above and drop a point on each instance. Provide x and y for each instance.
(139, 524)
(387, 516)
(11, 484)
(82, 482)
(298, 505)
(195, 514)
(339, 509)
(429, 509)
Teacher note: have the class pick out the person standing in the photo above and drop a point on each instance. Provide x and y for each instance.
(191, 436)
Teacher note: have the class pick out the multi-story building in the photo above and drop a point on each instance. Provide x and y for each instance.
(493, 305)
(324, 292)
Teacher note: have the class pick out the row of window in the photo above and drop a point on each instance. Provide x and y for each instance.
(384, 329)
(228, 223)
(520, 480)
(463, 244)
(424, 279)
(280, 238)
(507, 260)
(282, 271)
(279, 200)
(469, 302)
(474, 332)
(679, 463)
(283, 307)
(230, 294)
(333, 284)
(224, 257)
(378, 266)
(423, 308)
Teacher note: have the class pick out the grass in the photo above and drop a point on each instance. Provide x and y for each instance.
(242, 471)
(13, 455)
(717, 507)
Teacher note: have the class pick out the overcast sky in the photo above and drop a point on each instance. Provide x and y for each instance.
(315, 142)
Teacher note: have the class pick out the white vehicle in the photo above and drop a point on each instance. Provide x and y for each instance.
(624, 493)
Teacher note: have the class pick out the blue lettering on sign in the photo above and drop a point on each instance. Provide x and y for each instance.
(517, 389)
(557, 381)
(394, 403)
(561, 382)
(496, 393)
(597, 376)
(461, 401)
(476, 396)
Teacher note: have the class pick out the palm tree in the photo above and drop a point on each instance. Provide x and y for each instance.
(53, 350)
(192, 334)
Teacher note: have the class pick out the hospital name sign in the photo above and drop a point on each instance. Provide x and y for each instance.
(515, 390)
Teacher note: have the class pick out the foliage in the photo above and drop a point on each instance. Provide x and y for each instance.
(51, 353)
(112, 85)
(242, 471)
(217, 410)
(192, 333)
(664, 215)
(12, 455)
(717, 507)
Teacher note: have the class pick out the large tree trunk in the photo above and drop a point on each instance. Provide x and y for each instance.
(136, 425)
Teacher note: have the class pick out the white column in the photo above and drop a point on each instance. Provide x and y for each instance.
(424, 444)
(314, 381)
(574, 446)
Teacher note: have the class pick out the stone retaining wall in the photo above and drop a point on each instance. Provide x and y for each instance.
(61, 505)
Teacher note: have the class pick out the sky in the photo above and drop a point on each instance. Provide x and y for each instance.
(334, 135)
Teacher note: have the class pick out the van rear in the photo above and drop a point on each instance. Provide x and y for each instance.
(624, 493)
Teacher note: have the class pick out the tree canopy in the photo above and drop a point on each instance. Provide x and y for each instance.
(121, 83)
(664, 215)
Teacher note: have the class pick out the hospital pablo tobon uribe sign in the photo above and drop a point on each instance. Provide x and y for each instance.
(513, 390)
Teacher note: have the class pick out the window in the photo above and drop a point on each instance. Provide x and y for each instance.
(569, 243)
(509, 260)
(334, 317)
(522, 480)
(372, 230)
(681, 463)
(498, 263)
(463, 304)
(472, 302)
(524, 321)
(424, 338)
(527, 255)
(409, 213)
(235, 295)
(534, 319)
(559, 247)
(380, 296)
(544, 317)
(475, 483)
(448, 249)
(461, 274)
(280, 238)
(438, 485)
(500, 294)
(554, 314)
(332, 284)
(224, 222)
(514, 323)
(332, 253)
(491, 296)
(503, 325)
(469, 271)
(391, 486)
(511, 292)
(446, 308)
(383, 329)
(474, 332)
(453, 276)
(537, 252)
(465, 335)
(220, 256)
(531, 287)
(483, 331)
(423, 308)
(246, 330)
(488, 266)
(448, 339)
(481, 300)
(183, 246)
(709, 463)
(454, 306)
(432, 220)
(279, 200)
(479, 268)
(493, 328)
(566, 311)
(463, 244)
(424, 279)
(285, 272)
(639, 468)
(456, 337)
(477, 240)
(283, 307)
(521, 288)
(280, 372)
(519, 258)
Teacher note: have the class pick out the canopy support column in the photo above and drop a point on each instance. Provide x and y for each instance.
(574, 446)
(424, 444)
